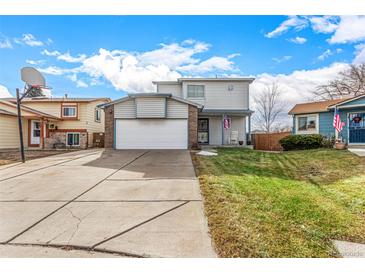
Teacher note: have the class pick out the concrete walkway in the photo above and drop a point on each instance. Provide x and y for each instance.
(103, 203)
(349, 249)
(358, 151)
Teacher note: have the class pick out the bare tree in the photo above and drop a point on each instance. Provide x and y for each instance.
(269, 106)
(349, 82)
(35, 92)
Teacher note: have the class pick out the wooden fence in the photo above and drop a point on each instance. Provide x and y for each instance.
(98, 139)
(268, 141)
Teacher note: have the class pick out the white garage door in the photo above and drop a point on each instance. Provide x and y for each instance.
(151, 134)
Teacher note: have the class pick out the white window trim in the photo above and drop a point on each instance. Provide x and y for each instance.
(99, 111)
(192, 97)
(68, 116)
(315, 131)
(67, 133)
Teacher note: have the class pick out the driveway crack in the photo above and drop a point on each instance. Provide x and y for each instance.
(140, 224)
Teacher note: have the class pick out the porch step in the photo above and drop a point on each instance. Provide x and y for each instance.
(357, 146)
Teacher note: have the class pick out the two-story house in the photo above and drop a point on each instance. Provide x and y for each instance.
(50, 123)
(181, 114)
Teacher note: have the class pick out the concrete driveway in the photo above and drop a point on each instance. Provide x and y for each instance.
(103, 203)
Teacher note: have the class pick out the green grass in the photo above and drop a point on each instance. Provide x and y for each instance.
(289, 204)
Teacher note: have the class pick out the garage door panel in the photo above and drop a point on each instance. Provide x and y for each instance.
(151, 134)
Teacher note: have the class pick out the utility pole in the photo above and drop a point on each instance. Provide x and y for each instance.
(18, 102)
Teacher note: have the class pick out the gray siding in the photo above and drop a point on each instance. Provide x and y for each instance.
(176, 109)
(215, 130)
(151, 107)
(217, 95)
(125, 109)
(174, 89)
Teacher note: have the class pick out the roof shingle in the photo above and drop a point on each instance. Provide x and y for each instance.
(314, 107)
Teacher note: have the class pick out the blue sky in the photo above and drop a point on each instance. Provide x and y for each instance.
(93, 56)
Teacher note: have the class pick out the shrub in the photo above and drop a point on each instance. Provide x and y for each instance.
(298, 142)
(328, 141)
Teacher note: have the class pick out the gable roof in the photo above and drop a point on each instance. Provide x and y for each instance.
(221, 79)
(30, 110)
(314, 107)
(58, 99)
(5, 112)
(151, 95)
(348, 100)
(322, 106)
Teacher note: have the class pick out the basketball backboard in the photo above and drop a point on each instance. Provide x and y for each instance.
(32, 77)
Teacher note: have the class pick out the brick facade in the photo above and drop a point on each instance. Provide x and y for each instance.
(193, 127)
(57, 139)
(109, 126)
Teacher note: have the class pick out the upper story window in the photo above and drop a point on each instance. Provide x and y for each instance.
(195, 91)
(97, 115)
(69, 111)
(307, 123)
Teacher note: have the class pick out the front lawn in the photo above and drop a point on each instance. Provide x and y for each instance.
(289, 204)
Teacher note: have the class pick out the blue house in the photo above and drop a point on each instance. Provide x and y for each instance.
(317, 118)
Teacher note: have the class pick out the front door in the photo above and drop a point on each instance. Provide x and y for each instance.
(203, 131)
(357, 128)
(35, 133)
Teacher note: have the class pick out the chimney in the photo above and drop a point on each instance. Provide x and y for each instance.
(65, 95)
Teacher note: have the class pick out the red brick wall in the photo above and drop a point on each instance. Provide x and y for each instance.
(193, 127)
(109, 126)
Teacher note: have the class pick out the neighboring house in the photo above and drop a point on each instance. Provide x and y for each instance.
(317, 117)
(51, 122)
(182, 114)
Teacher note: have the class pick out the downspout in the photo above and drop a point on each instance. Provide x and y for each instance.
(249, 128)
(222, 129)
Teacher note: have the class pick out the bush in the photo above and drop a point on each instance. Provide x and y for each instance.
(298, 142)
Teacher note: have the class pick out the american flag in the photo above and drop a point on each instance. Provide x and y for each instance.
(337, 124)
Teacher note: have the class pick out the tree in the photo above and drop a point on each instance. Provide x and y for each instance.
(349, 82)
(35, 92)
(269, 107)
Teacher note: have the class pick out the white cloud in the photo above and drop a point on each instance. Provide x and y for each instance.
(5, 44)
(79, 83)
(299, 84)
(212, 64)
(135, 71)
(35, 62)
(4, 92)
(294, 22)
(350, 29)
(324, 24)
(174, 55)
(50, 53)
(360, 54)
(66, 57)
(126, 72)
(53, 70)
(70, 59)
(296, 87)
(298, 40)
(29, 40)
(327, 53)
(282, 59)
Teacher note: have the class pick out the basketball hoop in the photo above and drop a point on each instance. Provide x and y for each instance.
(34, 81)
